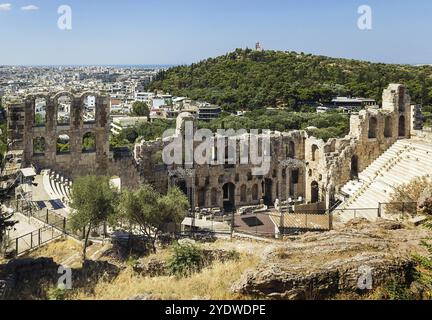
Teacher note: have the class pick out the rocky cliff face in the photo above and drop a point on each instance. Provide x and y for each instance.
(357, 258)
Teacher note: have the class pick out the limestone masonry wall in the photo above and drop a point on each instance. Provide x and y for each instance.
(301, 165)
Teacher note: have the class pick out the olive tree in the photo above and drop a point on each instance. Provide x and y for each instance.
(149, 212)
(93, 200)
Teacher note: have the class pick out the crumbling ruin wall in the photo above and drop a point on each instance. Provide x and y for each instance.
(76, 162)
(372, 132)
(301, 165)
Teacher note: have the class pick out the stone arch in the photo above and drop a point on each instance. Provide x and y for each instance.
(314, 192)
(63, 144)
(388, 127)
(255, 192)
(39, 146)
(314, 152)
(373, 126)
(243, 193)
(402, 129)
(89, 143)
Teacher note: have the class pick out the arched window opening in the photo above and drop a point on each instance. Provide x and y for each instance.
(373, 124)
(314, 152)
(388, 127)
(63, 144)
(63, 106)
(89, 143)
(314, 192)
(39, 146)
(40, 112)
(89, 109)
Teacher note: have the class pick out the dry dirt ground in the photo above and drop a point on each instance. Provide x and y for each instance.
(310, 266)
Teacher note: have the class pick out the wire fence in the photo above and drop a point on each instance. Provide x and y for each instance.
(275, 225)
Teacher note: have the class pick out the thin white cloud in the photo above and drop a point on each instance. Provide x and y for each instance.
(30, 7)
(5, 6)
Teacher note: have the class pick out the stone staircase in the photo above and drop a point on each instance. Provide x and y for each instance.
(57, 186)
(402, 162)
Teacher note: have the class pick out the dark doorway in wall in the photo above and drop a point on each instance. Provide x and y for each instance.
(388, 127)
(373, 125)
(314, 192)
(268, 192)
(181, 184)
(229, 197)
(354, 167)
(402, 126)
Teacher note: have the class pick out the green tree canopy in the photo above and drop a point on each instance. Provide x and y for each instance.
(245, 79)
(93, 200)
(150, 212)
(140, 109)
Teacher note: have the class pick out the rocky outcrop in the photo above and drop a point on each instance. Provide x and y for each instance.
(151, 268)
(360, 257)
(279, 281)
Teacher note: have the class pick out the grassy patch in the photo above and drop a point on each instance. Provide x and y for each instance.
(213, 282)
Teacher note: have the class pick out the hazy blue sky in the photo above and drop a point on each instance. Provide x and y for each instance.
(184, 31)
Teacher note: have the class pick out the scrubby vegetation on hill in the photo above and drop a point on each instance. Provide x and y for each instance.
(328, 125)
(246, 79)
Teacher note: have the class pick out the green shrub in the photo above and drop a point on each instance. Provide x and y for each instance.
(56, 294)
(185, 260)
(394, 290)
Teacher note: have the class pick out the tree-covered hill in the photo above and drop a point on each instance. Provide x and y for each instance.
(246, 79)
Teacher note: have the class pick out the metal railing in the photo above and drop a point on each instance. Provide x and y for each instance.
(35, 239)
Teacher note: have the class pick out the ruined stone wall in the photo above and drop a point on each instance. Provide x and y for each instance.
(372, 132)
(76, 162)
(301, 165)
(206, 187)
